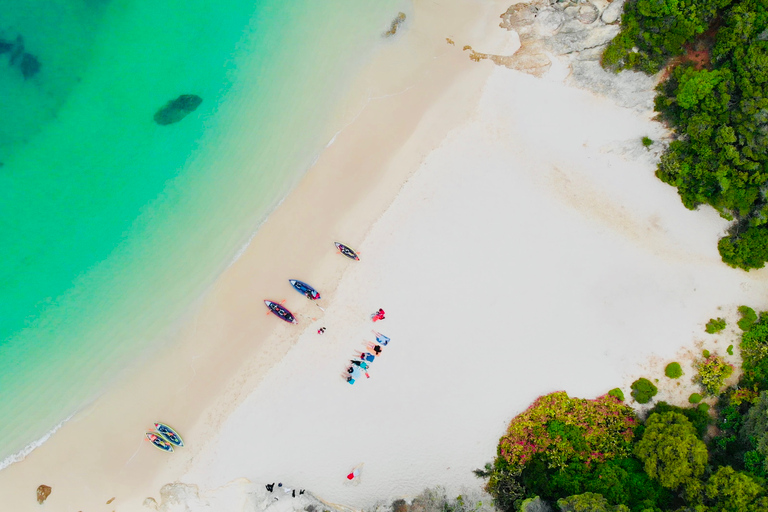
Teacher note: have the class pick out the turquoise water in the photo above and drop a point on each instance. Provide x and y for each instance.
(110, 224)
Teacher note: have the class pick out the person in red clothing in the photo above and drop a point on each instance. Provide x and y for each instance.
(379, 315)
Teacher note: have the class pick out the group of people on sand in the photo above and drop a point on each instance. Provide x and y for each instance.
(286, 490)
(361, 363)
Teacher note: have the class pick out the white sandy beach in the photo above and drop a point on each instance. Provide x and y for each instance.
(512, 229)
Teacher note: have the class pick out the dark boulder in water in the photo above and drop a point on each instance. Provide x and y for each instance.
(5, 46)
(29, 65)
(176, 110)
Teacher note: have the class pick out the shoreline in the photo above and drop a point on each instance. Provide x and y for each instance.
(226, 308)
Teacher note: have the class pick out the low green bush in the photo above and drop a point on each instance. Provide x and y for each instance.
(673, 370)
(618, 393)
(643, 390)
(703, 407)
(647, 142)
(748, 317)
(694, 398)
(715, 325)
(729, 350)
(705, 353)
(713, 371)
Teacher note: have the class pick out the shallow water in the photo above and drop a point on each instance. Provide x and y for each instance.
(110, 225)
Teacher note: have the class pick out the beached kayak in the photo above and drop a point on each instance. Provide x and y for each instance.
(346, 251)
(280, 311)
(169, 434)
(159, 441)
(304, 289)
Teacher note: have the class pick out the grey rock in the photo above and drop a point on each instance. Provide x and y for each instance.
(587, 13)
(612, 13)
(176, 110)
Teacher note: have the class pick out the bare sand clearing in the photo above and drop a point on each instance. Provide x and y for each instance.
(531, 250)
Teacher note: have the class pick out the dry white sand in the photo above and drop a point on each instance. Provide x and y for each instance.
(532, 250)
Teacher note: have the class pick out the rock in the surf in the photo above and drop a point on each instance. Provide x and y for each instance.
(395, 25)
(176, 110)
(43, 492)
(29, 65)
(5, 46)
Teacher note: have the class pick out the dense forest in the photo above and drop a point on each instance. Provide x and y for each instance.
(578, 455)
(714, 98)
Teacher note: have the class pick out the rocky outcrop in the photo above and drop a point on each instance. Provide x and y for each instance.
(43, 491)
(176, 110)
(570, 36)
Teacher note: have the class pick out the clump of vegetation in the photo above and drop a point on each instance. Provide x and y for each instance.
(754, 354)
(618, 393)
(713, 371)
(705, 353)
(643, 390)
(703, 407)
(562, 430)
(694, 398)
(673, 370)
(715, 325)
(729, 350)
(647, 142)
(748, 317)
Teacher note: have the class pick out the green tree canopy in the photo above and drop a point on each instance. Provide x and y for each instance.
(563, 429)
(731, 491)
(755, 428)
(670, 451)
(588, 502)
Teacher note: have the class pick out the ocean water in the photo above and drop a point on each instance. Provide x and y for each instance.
(110, 225)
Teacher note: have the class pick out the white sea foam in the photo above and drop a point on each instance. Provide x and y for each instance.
(22, 454)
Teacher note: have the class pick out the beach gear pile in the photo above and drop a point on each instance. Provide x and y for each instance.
(361, 363)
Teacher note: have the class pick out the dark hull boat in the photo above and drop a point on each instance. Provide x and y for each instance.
(159, 442)
(280, 311)
(169, 434)
(346, 251)
(304, 289)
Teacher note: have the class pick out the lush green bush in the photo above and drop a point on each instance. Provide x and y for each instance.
(654, 30)
(754, 354)
(562, 430)
(705, 353)
(699, 419)
(755, 432)
(715, 325)
(643, 390)
(729, 490)
(618, 393)
(670, 450)
(588, 502)
(694, 398)
(673, 370)
(729, 350)
(703, 407)
(647, 142)
(713, 371)
(748, 317)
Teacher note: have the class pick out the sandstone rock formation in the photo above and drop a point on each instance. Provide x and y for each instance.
(176, 110)
(43, 492)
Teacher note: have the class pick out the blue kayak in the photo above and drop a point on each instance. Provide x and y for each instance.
(304, 289)
(280, 311)
(169, 434)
